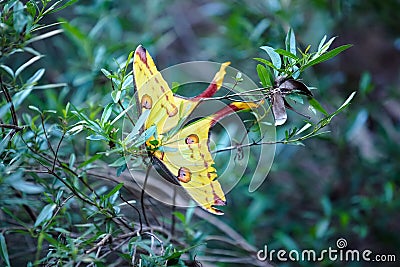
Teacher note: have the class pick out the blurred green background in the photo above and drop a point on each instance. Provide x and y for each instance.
(344, 184)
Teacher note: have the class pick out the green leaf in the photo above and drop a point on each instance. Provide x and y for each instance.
(27, 64)
(75, 32)
(128, 83)
(175, 87)
(264, 76)
(347, 101)
(119, 162)
(106, 113)
(180, 216)
(4, 109)
(20, 20)
(70, 2)
(106, 73)
(114, 190)
(286, 53)
(35, 109)
(24, 186)
(4, 251)
(305, 127)
(290, 42)
(45, 214)
(139, 123)
(315, 104)
(20, 97)
(326, 46)
(327, 55)
(121, 114)
(366, 84)
(116, 95)
(275, 58)
(266, 62)
(31, 8)
(36, 77)
(321, 43)
(128, 61)
(121, 169)
(321, 228)
(327, 206)
(8, 70)
(72, 159)
(90, 160)
(96, 137)
(50, 86)
(44, 36)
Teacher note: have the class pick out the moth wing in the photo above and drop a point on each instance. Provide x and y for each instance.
(188, 158)
(278, 108)
(293, 85)
(154, 93)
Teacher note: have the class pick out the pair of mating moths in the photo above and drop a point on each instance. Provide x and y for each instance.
(188, 161)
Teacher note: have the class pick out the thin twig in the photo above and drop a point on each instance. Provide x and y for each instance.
(12, 108)
(57, 149)
(142, 197)
(11, 126)
(136, 209)
(122, 106)
(106, 239)
(173, 212)
(46, 136)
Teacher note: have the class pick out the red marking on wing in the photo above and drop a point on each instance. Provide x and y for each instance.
(141, 52)
(209, 92)
(223, 113)
(217, 200)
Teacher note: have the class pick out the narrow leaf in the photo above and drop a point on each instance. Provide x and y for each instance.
(114, 190)
(50, 86)
(327, 55)
(121, 114)
(139, 124)
(3, 250)
(290, 42)
(321, 43)
(45, 214)
(8, 70)
(36, 77)
(106, 73)
(315, 104)
(128, 83)
(263, 75)
(347, 101)
(106, 113)
(90, 160)
(118, 162)
(27, 64)
(72, 159)
(70, 2)
(44, 36)
(326, 46)
(96, 137)
(286, 53)
(305, 127)
(266, 62)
